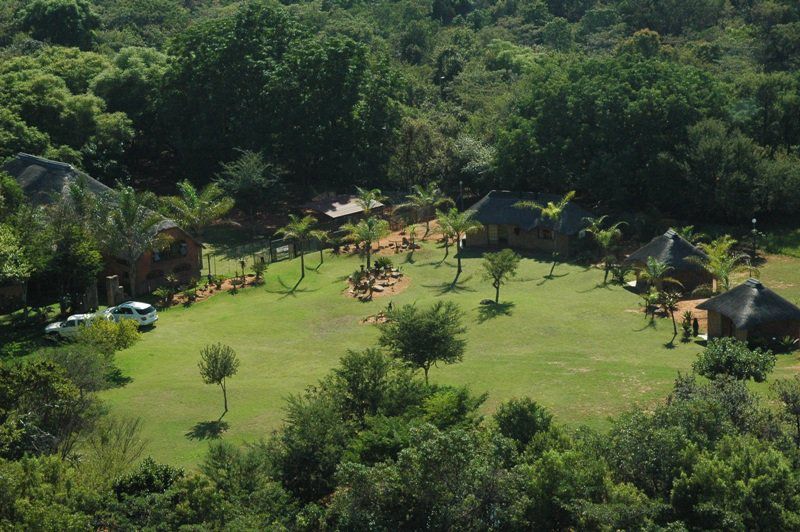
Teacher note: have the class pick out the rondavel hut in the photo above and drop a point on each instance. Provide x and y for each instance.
(751, 311)
(683, 258)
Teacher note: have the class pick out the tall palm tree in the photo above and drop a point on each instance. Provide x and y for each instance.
(552, 211)
(128, 227)
(721, 262)
(194, 210)
(458, 224)
(424, 200)
(300, 231)
(655, 273)
(605, 238)
(368, 199)
(367, 232)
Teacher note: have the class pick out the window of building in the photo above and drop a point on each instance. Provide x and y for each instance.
(545, 234)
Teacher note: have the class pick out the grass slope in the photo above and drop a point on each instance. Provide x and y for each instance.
(577, 347)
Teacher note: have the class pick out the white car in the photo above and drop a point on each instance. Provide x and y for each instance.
(69, 327)
(142, 313)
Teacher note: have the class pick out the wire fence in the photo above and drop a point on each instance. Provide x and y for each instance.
(229, 261)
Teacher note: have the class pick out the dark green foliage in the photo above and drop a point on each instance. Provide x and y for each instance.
(424, 337)
(65, 22)
(728, 356)
(522, 419)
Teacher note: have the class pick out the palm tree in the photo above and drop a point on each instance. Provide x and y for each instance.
(605, 238)
(552, 211)
(721, 262)
(424, 200)
(300, 231)
(368, 199)
(195, 210)
(458, 224)
(128, 227)
(688, 233)
(655, 273)
(367, 231)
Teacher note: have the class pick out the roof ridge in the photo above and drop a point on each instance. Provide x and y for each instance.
(45, 162)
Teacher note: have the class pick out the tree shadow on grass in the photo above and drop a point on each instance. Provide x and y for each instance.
(290, 290)
(598, 286)
(452, 287)
(550, 278)
(671, 343)
(651, 324)
(207, 430)
(117, 380)
(488, 312)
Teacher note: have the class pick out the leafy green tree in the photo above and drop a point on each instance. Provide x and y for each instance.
(366, 232)
(301, 231)
(458, 224)
(251, 181)
(195, 209)
(788, 392)
(128, 228)
(522, 419)
(499, 267)
(424, 337)
(14, 266)
(729, 356)
(218, 362)
(424, 200)
(64, 22)
(553, 211)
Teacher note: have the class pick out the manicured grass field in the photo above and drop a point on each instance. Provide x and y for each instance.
(579, 348)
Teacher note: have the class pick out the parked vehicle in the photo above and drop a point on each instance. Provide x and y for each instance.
(142, 313)
(67, 328)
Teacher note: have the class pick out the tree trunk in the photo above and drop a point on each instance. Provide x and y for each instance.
(497, 293)
(458, 251)
(674, 325)
(302, 265)
(132, 278)
(321, 257)
(427, 228)
(425, 369)
(224, 398)
(369, 253)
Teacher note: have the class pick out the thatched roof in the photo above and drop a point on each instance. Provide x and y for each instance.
(498, 208)
(670, 248)
(752, 304)
(338, 206)
(44, 181)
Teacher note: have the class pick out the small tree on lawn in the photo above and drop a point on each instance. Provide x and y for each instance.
(218, 362)
(300, 231)
(669, 303)
(729, 356)
(721, 262)
(424, 337)
(553, 211)
(458, 224)
(500, 267)
(367, 232)
(605, 238)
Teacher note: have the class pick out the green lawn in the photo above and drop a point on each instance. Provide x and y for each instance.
(579, 348)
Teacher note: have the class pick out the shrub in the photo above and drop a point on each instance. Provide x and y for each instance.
(259, 268)
(383, 263)
(728, 356)
(702, 291)
(164, 295)
(108, 336)
(686, 325)
(522, 419)
(190, 294)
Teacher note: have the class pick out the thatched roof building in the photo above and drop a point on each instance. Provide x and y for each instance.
(751, 309)
(676, 252)
(505, 224)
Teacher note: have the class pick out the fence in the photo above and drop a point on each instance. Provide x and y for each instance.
(231, 260)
